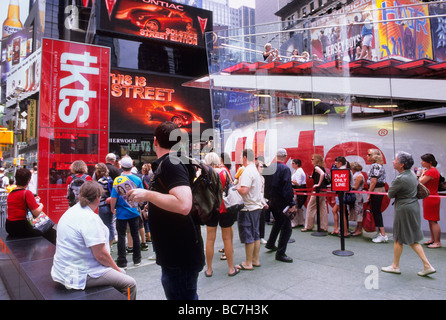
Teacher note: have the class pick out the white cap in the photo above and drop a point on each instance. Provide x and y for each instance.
(126, 162)
(281, 153)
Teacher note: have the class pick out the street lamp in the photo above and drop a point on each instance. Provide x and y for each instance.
(18, 91)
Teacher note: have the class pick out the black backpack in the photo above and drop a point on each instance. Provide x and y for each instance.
(207, 192)
(74, 187)
(206, 189)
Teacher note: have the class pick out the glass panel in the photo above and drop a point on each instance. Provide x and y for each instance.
(372, 79)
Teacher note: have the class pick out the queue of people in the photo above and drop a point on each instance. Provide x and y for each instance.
(161, 198)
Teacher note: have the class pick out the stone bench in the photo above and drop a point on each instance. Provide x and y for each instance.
(25, 267)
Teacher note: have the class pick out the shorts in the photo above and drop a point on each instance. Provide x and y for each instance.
(248, 226)
(367, 40)
(224, 219)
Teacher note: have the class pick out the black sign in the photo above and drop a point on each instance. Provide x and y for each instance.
(155, 20)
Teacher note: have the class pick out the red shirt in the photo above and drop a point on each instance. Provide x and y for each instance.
(18, 201)
(432, 185)
(223, 183)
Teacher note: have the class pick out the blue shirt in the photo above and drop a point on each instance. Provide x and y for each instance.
(123, 210)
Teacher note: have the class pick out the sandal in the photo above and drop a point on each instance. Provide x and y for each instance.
(434, 245)
(236, 271)
(242, 267)
(428, 242)
(223, 257)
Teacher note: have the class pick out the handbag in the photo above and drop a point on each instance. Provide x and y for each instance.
(422, 191)
(368, 222)
(349, 198)
(231, 198)
(42, 222)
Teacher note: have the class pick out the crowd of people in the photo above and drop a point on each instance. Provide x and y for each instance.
(157, 205)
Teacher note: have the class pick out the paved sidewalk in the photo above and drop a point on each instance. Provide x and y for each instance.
(316, 272)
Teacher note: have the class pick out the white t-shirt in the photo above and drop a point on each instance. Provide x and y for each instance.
(251, 178)
(299, 177)
(78, 230)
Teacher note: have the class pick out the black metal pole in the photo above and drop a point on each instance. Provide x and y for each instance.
(342, 252)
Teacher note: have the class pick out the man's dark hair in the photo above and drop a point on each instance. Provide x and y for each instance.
(249, 154)
(22, 177)
(162, 134)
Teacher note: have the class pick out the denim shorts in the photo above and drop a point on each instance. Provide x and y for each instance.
(248, 225)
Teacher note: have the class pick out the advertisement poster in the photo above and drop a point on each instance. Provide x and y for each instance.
(438, 29)
(337, 36)
(122, 184)
(159, 20)
(139, 102)
(73, 117)
(409, 38)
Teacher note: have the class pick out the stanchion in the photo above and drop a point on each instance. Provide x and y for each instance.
(319, 232)
(342, 252)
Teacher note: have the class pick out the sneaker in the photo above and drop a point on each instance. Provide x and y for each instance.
(144, 246)
(263, 241)
(122, 265)
(390, 269)
(129, 250)
(137, 263)
(426, 272)
(380, 238)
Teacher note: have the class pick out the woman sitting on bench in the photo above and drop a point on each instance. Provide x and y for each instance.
(19, 201)
(82, 257)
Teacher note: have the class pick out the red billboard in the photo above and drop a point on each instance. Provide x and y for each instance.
(73, 116)
(159, 20)
(139, 102)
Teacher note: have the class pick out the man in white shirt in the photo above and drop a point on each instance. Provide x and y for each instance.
(298, 180)
(4, 180)
(250, 188)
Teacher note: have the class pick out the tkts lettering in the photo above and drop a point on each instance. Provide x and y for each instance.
(76, 77)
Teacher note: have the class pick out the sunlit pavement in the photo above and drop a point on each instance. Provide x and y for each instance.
(316, 272)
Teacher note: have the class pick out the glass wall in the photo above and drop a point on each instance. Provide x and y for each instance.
(371, 77)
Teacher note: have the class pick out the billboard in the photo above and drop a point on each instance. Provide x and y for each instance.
(139, 102)
(73, 116)
(336, 36)
(438, 29)
(409, 38)
(156, 20)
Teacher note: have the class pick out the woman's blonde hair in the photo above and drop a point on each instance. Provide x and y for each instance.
(355, 166)
(318, 160)
(376, 156)
(101, 170)
(78, 166)
(89, 192)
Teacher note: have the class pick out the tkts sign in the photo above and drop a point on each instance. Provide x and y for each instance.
(153, 19)
(73, 115)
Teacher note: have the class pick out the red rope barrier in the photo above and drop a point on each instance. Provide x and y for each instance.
(328, 192)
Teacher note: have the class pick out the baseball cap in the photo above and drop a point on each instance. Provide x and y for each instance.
(126, 162)
(281, 153)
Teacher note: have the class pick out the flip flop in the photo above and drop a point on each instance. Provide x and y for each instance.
(434, 245)
(208, 275)
(256, 265)
(242, 267)
(428, 242)
(223, 257)
(236, 271)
